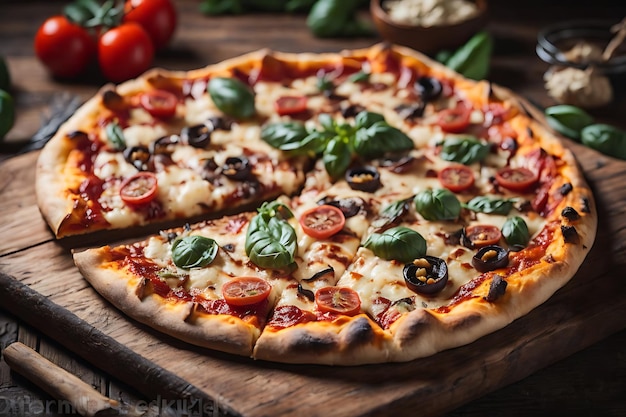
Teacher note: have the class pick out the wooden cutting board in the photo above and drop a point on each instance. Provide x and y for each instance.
(39, 283)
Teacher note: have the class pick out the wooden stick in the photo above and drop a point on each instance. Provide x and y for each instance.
(58, 382)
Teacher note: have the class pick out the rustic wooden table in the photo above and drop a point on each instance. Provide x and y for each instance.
(589, 382)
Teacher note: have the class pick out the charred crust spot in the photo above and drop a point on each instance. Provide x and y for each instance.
(113, 101)
(570, 235)
(570, 214)
(307, 342)
(416, 325)
(585, 205)
(530, 132)
(496, 289)
(566, 188)
(359, 332)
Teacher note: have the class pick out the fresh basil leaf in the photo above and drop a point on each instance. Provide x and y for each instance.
(463, 149)
(359, 77)
(515, 232)
(337, 157)
(438, 204)
(568, 120)
(232, 97)
(271, 243)
(380, 138)
(490, 206)
(398, 243)
(289, 136)
(115, 136)
(472, 60)
(193, 251)
(325, 84)
(605, 138)
(367, 119)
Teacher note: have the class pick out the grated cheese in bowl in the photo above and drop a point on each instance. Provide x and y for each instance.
(428, 13)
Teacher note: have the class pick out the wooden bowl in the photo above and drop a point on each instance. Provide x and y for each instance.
(428, 40)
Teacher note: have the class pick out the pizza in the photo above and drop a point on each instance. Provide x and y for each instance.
(345, 208)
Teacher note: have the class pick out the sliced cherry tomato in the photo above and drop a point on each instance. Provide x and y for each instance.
(338, 300)
(157, 17)
(516, 179)
(125, 52)
(243, 291)
(159, 103)
(323, 221)
(454, 120)
(65, 48)
(141, 188)
(483, 235)
(456, 178)
(290, 105)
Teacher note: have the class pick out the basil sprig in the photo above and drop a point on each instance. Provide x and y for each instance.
(193, 251)
(370, 136)
(115, 136)
(232, 97)
(399, 243)
(568, 120)
(490, 205)
(515, 232)
(463, 149)
(605, 138)
(271, 241)
(438, 204)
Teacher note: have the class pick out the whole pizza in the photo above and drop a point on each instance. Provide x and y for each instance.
(339, 208)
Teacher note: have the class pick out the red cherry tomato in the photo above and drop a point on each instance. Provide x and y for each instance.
(157, 17)
(139, 189)
(243, 291)
(483, 235)
(125, 52)
(159, 103)
(338, 300)
(64, 48)
(290, 105)
(456, 178)
(516, 179)
(322, 222)
(454, 120)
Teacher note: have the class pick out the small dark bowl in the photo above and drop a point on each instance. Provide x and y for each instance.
(428, 40)
(554, 40)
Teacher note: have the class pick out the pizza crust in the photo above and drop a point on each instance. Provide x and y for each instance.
(178, 319)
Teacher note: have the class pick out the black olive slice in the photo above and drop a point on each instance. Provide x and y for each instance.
(570, 235)
(351, 110)
(497, 288)
(570, 214)
(138, 156)
(319, 274)
(237, 168)
(220, 123)
(428, 88)
(490, 257)
(398, 163)
(427, 275)
(162, 144)
(113, 101)
(363, 179)
(350, 206)
(197, 136)
(307, 293)
(209, 170)
(411, 111)
(77, 135)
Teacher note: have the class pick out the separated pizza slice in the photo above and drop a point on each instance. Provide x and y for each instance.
(151, 150)
(194, 283)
